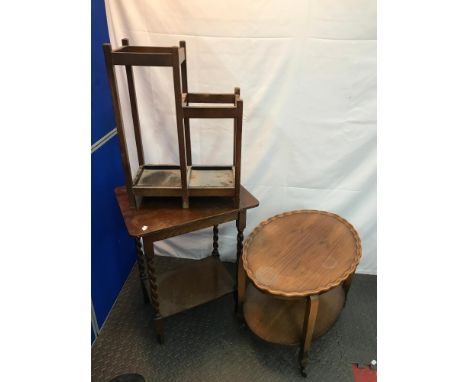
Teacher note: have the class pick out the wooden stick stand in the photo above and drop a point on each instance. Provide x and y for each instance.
(184, 180)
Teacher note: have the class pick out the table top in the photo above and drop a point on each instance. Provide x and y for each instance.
(160, 213)
(301, 253)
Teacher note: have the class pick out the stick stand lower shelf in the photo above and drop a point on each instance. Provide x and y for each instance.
(165, 180)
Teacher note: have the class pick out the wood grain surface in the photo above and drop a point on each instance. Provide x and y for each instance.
(193, 283)
(281, 321)
(164, 217)
(301, 253)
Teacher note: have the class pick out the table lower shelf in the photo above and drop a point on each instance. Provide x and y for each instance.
(281, 321)
(187, 283)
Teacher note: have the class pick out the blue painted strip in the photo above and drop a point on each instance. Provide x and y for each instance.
(102, 113)
(112, 249)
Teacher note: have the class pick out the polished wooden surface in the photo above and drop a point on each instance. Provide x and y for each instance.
(300, 265)
(281, 321)
(301, 253)
(163, 217)
(192, 283)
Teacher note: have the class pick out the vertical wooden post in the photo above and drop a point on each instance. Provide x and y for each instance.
(215, 241)
(134, 107)
(312, 305)
(238, 146)
(118, 120)
(236, 93)
(188, 143)
(150, 260)
(180, 127)
(346, 286)
(141, 269)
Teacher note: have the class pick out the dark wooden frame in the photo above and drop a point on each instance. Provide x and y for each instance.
(186, 108)
(160, 219)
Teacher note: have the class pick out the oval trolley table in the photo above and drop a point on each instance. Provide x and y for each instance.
(300, 265)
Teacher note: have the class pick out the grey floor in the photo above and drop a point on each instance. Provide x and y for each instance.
(208, 344)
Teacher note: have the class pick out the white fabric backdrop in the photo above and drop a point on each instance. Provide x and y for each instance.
(307, 73)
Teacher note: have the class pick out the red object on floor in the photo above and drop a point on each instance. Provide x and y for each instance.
(365, 374)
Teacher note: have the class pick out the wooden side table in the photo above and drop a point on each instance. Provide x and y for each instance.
(197, 281)
(300, 265)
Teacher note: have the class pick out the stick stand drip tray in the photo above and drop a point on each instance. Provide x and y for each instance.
(165, 180)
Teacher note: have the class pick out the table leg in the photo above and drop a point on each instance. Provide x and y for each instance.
(346, 286)
(215, 241)
(241, 276)
(141, 269)
(312, 305)
(150, 260)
